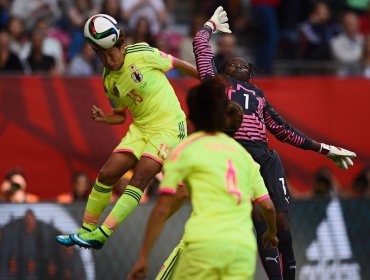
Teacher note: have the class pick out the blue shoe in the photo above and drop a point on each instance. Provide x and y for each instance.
(65, 240)
(94, 240)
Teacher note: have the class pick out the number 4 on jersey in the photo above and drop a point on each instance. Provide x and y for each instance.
(231, 181)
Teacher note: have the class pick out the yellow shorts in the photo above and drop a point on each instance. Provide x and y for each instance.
(153, 144)
(213, 261)
(168, 266)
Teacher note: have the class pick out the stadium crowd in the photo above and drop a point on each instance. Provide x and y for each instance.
(324, 184)
(46, 36)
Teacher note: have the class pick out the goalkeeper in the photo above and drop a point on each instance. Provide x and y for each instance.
(259, 115)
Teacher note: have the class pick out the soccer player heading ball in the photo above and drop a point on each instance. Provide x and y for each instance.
(259, 116)
(134, 80)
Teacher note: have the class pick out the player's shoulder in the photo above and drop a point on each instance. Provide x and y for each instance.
(245, 85)
(241, 151)
(138, 48)
(186, 146)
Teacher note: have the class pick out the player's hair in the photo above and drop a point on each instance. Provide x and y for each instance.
(207, 104)
(121, 39)
(120, 42)
(252, 69)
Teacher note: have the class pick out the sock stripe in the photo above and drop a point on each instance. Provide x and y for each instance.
(101, 189)
(169, 268)
(85, 228)
(106, 235)
(133, 194)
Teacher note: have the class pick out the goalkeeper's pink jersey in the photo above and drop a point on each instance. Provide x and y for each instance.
(258, 113)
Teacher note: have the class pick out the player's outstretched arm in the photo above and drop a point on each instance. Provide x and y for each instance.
(285, 132)
(98, 115)
(341, 157)
(185, 67)
(201, 47)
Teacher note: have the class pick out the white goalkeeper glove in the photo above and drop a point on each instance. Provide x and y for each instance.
(219, 21)
(340, 156)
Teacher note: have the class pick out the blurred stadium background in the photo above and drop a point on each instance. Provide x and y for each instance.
(46, 131)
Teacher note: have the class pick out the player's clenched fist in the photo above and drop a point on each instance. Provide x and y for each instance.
(139, 271)
(270, 240)
(97, 114)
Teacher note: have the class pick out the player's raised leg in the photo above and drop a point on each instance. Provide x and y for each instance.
(144, 172)
(99, 198)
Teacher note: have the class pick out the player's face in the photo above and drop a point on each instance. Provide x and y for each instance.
(112, 58)
(238, 68)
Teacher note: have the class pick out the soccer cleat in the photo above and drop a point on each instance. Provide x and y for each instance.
(94, 239)
(66, 240)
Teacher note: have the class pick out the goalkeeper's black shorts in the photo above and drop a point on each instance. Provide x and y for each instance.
(273, 175)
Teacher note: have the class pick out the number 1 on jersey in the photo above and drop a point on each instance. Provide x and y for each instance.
(246, 104)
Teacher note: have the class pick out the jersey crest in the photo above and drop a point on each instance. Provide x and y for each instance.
(137, 76)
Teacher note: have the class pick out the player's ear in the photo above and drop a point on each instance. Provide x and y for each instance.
(122, 49)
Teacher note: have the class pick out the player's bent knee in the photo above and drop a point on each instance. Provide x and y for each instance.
(107, 177)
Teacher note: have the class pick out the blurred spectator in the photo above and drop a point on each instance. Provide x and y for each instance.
(325, 183)
(186, 46)
(142, 32)
(13, 188)
(9, 61)
(81, 187)
(366, 58)
(38, 61)
(290, 13)
(84, 63)
(226, 48)
(78, 11)
(50, 46)
(267, 29)
(347, 46)
(18, 37)
(4, 13)
(113, 8)
(360, 6)
(169, 42)
(316, 33)
(32, 10)
(362, 9)
(153, 10)
(361, 184)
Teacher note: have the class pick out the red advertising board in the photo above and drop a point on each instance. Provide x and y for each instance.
(45, 126)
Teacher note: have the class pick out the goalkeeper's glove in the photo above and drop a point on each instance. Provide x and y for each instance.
(340, 156)
(218, 22)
